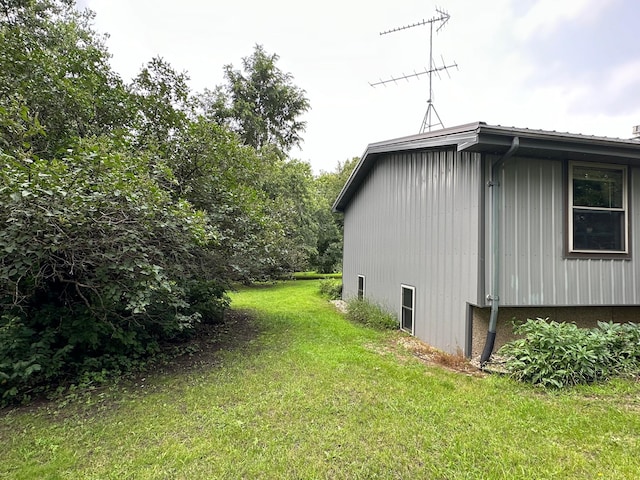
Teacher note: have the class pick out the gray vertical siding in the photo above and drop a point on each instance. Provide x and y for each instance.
(415, 221)
(534, 270)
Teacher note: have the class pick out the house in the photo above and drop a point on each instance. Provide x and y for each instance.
(461, 230)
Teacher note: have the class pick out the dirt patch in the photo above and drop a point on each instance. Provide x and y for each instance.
(202, 350)
(433, 356)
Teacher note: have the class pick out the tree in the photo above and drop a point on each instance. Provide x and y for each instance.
(55, 70)
(219, 175)
(163, 105)
(260, 103)
(259, 201)
(290, 197)
(330, 225)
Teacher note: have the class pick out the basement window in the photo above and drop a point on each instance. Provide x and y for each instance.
(408, 308)
(360, 287)
(598, 209)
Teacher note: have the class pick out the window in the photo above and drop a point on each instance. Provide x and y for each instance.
(360, 287)
(598, 212)
(408, 307)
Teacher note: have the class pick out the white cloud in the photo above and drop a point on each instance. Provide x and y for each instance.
(546, 16)
(623, 76)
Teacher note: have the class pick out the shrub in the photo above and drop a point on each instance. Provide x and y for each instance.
(96, 265)
(209, 299)
(623, 341)
(331, 289)
(315, 276)
(370, 314)
(561, 354)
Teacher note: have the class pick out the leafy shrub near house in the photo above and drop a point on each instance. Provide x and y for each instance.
(331, 289)
(561, 354)
(370, 314)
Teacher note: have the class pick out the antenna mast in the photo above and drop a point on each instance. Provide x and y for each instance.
(442, 17)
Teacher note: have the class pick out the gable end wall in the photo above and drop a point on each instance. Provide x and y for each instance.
(415, 220)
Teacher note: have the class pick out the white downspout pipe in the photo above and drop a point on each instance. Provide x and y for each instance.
(494, 183)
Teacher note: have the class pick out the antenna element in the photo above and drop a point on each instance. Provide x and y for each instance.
(442, 18)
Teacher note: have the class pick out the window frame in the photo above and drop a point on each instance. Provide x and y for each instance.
(412, 309)
(572, 252)
(360, 292)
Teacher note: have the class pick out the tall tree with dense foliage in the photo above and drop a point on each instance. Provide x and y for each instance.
(260, 201)
(263, 107)
(289, 188)
(218, 174)
(259, 102)
(330, 225)
(163, 105)
(54, 69)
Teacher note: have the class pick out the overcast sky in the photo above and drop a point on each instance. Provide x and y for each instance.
(565, 65)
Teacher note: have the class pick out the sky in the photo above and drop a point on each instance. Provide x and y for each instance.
(570, 65)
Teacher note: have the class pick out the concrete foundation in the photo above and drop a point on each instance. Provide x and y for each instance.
(585, 317)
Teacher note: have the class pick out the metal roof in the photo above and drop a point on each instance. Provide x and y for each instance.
(495, 139)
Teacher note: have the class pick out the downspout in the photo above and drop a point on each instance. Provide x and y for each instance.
(494, 297)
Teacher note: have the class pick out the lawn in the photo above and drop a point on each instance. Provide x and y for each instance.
(299, 392)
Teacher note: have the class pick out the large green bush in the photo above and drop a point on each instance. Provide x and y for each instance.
(561, 354)
(96, 265)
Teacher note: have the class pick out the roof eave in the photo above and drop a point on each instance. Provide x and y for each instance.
(555, 146)
(461, 135)
(480, 137)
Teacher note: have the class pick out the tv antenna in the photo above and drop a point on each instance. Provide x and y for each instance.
(442, 17)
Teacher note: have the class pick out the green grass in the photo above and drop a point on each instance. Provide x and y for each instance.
(311, 395)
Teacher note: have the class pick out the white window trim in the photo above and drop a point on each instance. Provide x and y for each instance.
(364, 286)
(413, 307)
(625, 206)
